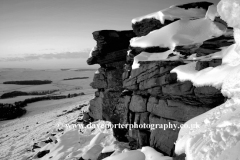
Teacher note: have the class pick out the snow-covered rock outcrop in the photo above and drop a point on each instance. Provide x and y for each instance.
(110, 53)
(145, 24)
(219, 134)
(153, 86)
(182, 64)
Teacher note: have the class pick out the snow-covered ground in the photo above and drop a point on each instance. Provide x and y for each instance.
(146, 153)
(18, 135)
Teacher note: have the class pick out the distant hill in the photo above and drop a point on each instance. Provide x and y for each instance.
(29, 82)
(75, 78)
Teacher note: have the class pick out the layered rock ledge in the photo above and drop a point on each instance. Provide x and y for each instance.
(157, 97)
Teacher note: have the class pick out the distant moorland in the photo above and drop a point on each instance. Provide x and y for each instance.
(10, 111)
(29, 82)
(75, 78)
(20, 93)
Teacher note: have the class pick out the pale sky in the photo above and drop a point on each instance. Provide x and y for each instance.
(58, 33)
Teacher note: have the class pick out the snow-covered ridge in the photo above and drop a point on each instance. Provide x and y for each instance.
(172, 13)
(182, 32)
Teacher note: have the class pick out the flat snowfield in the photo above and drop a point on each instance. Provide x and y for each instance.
(18, 135)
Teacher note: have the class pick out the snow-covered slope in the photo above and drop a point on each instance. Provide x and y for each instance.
(18, 135)
(146, 153)
(90, 142)
(218, 136)
(87, 144)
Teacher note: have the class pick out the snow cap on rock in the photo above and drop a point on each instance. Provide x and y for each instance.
(229, 11)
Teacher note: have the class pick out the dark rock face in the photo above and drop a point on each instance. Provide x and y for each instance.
(174, 110)
(180, 157)
(137, 50)
(209, 95)
(107, 58)
(204, 64)
(209, 46)
(109, 104)
(145, 26)
(162, 138)
(111, 46)
(178, 89)
(110, 40)
(114, 108)
(104, 155)
(138, 104)
(160, 98)
(204, 5)
(42, 153)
